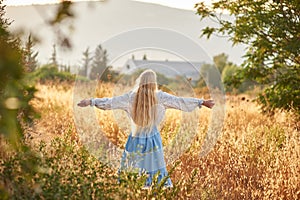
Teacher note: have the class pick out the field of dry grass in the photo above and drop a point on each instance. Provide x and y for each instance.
(255, 157)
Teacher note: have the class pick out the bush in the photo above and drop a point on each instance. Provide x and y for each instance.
(50, 73)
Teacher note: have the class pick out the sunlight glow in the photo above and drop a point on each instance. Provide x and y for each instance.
(36, 2)
(181, 4)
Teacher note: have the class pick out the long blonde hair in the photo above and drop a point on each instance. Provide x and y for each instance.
(144, 111)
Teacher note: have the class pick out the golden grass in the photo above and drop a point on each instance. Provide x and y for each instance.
(256, 156)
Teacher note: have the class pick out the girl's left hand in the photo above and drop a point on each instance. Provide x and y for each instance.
(208, 103)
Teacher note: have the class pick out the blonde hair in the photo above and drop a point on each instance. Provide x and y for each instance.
(144, 111)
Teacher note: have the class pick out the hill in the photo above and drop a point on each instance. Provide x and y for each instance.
(97, 22)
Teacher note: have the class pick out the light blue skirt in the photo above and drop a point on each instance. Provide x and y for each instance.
(144, 153)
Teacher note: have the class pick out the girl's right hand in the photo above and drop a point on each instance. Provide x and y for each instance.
(84, 103)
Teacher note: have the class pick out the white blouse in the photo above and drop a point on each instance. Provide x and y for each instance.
(165, 101)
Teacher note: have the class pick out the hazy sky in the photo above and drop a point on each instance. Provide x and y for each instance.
(104, 24)
(182, 4)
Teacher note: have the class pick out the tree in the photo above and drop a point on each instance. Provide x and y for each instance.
(66, 68)
(99, 63)
(270, 29)
(229, 70)
(209, 73)
(210, 76)
(84, 71)
(144, 57)
(221, 61)
(30, 57)
(53, 59)
(15, 94)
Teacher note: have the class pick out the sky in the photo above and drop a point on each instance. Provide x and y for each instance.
(181, 4)
(156, 18)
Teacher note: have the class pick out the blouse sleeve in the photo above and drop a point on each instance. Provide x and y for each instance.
(186, 104)
(118, 102)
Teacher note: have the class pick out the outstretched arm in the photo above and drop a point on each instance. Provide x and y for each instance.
(187, 104)
(118, 102)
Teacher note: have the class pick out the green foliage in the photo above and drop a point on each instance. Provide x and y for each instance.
(163, 80)
(227, 69)
(14, 91)
(230, 71)
(15, 110)
(210, 76)
(270, 29)
(50, 73)
(221, 61)
(283, 94)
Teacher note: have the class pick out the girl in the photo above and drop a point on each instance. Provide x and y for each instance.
(146, 108)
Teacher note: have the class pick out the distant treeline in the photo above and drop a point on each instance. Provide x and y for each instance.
(94, 66)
